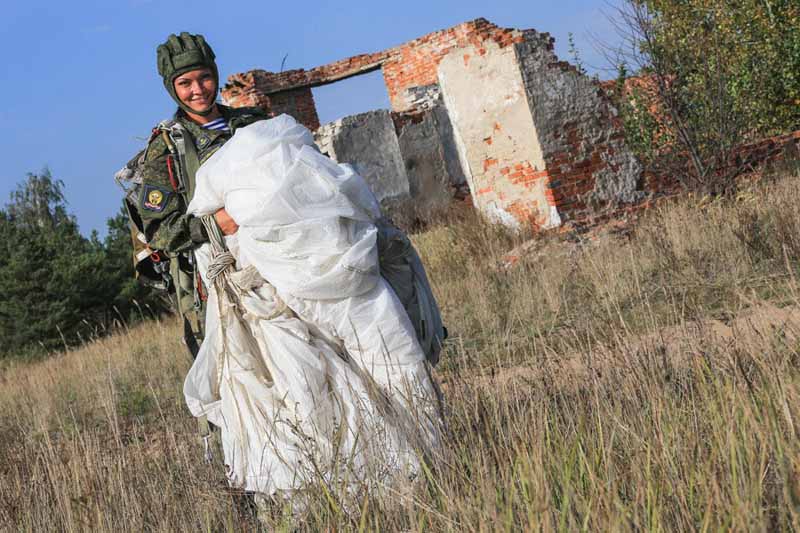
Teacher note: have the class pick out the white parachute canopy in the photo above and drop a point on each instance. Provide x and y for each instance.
(307, 220)
(317, 363)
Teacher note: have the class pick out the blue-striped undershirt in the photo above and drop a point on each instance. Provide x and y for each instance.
(218, 125)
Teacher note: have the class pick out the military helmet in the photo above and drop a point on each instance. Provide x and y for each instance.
(181, 54)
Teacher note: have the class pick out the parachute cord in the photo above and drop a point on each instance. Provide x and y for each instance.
(220, 264)
(220, 272)
(221, 261)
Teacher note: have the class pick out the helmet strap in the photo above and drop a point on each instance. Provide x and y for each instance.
(189, 110)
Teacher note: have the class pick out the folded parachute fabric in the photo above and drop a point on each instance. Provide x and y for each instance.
(305, 222)
(320, 365)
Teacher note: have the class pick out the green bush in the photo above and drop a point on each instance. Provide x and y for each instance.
(718, 74)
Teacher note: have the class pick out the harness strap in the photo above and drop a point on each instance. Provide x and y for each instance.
(182, 179)
(172, 180)
(143, 254)
(188, 155)
(181, 144)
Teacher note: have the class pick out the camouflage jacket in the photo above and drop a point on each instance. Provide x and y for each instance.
(162, 209)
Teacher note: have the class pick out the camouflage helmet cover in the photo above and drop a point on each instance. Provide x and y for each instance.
(181, 54)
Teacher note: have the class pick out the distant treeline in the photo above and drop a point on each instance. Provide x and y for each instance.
(58, 287)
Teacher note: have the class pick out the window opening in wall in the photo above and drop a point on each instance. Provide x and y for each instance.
(359, 94)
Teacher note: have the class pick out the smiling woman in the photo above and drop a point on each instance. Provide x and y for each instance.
(162, 176)
(197, 90)
(310, 367)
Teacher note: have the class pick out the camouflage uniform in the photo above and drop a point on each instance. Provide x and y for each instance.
(162, 207)
(166, 225)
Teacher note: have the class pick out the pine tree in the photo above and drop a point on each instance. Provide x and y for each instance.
(58, 286)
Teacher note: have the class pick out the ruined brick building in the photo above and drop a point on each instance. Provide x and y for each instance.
(474, 106)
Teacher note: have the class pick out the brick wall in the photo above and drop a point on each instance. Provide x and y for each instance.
(405, 67)
(249, 90)
(415, 63)
(569, 161)
(589, 166)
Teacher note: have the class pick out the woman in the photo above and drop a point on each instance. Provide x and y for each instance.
(304, 388)
(163, 174)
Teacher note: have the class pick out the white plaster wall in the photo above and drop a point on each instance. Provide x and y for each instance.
(487, 104)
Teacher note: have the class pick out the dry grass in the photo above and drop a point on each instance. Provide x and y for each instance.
(649, 381)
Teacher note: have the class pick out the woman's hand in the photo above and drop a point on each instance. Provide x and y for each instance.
(225, 222)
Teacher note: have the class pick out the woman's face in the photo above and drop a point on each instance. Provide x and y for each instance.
(196, 89)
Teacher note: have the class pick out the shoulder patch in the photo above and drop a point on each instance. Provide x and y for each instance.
(154, 198)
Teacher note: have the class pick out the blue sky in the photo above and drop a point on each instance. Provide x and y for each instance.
(80, 91)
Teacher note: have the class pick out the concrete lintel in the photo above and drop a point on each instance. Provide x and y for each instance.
(271, 82)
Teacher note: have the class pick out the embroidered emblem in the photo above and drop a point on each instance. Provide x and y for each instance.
(154, 198)
(202, 141)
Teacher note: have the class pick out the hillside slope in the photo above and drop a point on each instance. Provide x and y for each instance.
(620, 380)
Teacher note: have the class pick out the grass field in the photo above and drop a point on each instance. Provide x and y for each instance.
(613, 381)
